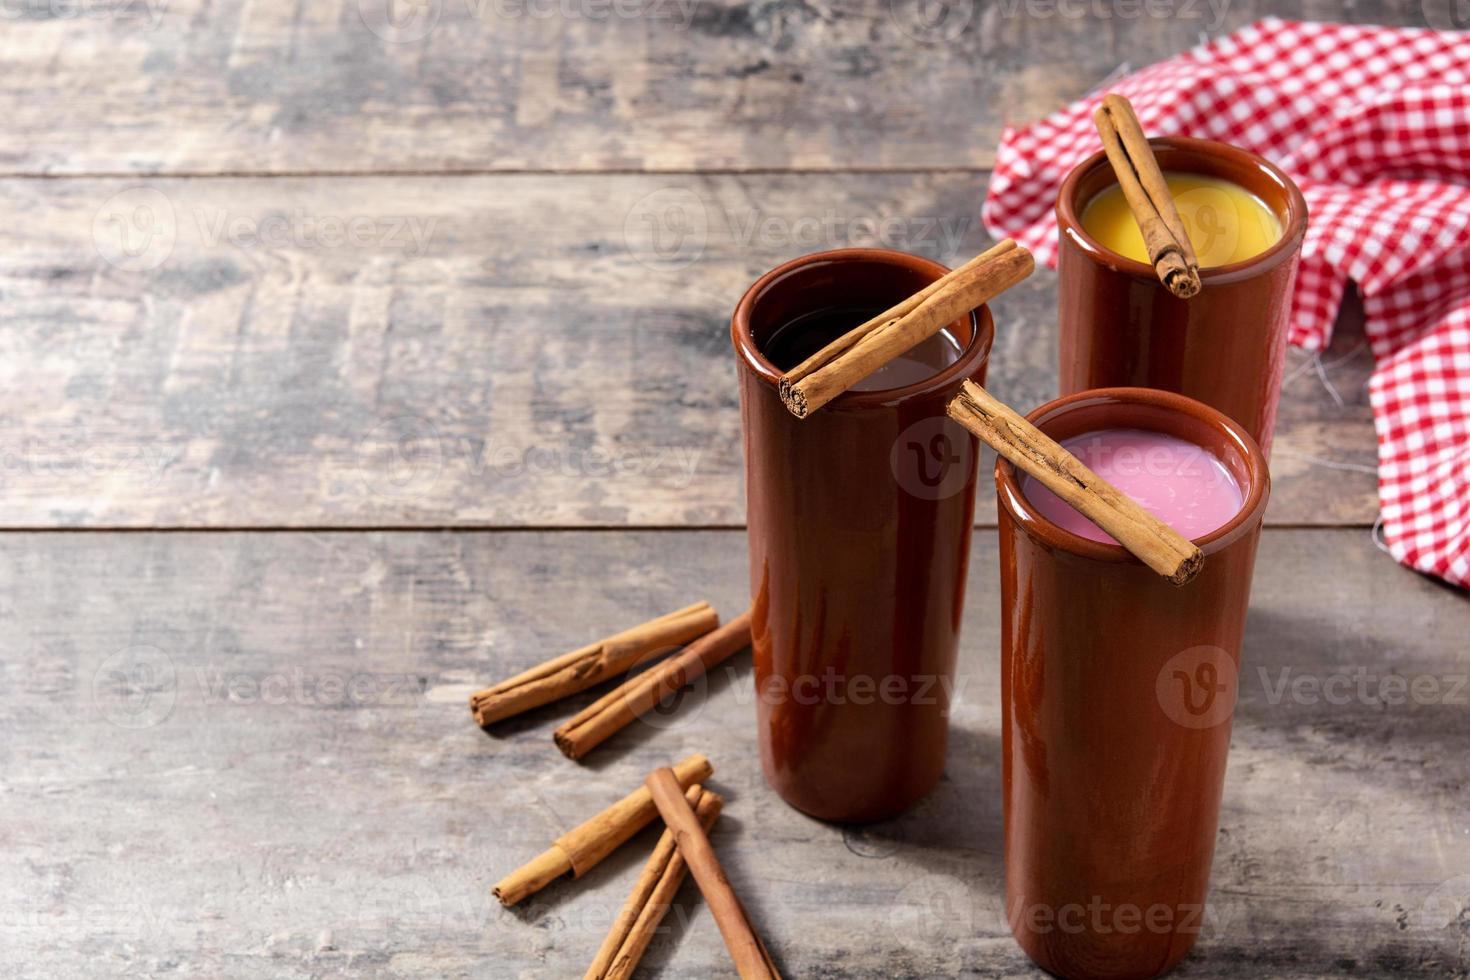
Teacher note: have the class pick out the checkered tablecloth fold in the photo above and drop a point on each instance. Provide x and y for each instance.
(1374, 125)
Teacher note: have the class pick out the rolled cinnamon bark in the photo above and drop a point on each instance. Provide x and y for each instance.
(864, 349)
(616, 709)
(652, 895)
(1153, 542)
(749, 953)
(1147, 193)
(592, 664)
(580, 849)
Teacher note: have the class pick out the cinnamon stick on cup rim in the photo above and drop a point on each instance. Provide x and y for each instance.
(1032, 451)
(612, 712)
(653, 894)
(749, 953)
(864, 349)
(592, 664)
(1147, 193)
(581, 848)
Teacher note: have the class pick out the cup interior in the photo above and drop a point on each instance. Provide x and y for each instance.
(1153, 411)
(848, 278)
(1206, 158)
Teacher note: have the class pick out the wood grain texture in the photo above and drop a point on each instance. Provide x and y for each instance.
(491, 351)
(247, 755)
(250, 86)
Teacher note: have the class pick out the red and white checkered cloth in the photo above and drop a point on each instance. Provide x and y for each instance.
(1374, 126)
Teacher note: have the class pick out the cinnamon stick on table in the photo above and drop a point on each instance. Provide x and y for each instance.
(746, 949)
(1155, 543)
(1143, 184)
(596, 662)
(652, 895)
(634, 698)
(581, 848)
(867, 347)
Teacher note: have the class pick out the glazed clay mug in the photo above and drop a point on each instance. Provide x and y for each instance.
(1226, 346)
(1117, 692)
(859, 527)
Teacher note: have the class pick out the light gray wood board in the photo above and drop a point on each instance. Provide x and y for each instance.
(508, 350)
(258, 87)
(181, 795)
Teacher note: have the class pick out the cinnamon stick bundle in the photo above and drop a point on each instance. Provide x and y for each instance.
(589, 665)
(652, 895)
(1153, 542)
(749, 953)
(1147, 193)
(864, 349)
(581, 848)
(603, 718)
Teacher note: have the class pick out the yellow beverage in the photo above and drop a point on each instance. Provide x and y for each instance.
(1225, 222)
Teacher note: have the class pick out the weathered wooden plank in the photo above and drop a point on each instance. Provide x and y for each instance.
(511, 350)
(256, 86)
(248, 755)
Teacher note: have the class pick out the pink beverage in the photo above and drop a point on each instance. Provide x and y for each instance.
(1182, 484)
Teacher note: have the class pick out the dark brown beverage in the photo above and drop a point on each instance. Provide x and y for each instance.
(794, 342)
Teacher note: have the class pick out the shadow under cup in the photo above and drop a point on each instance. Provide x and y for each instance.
(1117, 693)
(859, 522)
(1226, 346)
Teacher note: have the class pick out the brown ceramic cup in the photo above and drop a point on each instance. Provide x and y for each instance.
(1117, 692)
(859, 523)
(1227, 345)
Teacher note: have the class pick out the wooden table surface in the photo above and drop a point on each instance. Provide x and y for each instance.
(355, 357)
